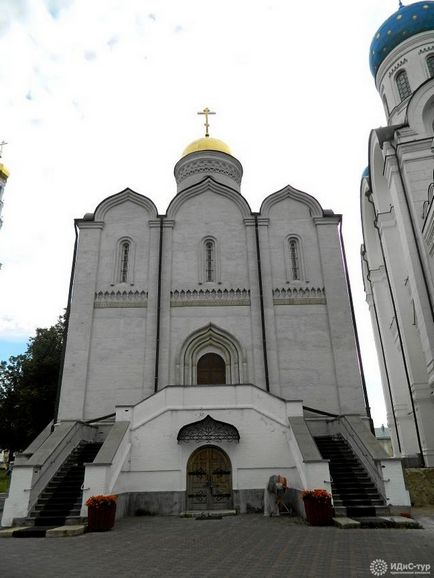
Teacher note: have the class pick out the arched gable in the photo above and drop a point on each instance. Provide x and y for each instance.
(289, 192)
(379, 185)
(208, 184)
(122, 197)
(420, 110)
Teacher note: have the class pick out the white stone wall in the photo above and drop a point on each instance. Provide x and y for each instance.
(112, 340)
(400, 180)
(158, 462)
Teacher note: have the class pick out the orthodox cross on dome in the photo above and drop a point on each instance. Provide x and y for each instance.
(206, 111)
(2, 144)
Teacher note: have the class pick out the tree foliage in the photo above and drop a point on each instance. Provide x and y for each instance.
(28, 387)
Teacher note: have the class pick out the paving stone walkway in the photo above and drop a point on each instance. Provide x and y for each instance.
(248, 546)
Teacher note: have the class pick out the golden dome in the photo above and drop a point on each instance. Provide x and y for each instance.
(207, 143)
(4, 172)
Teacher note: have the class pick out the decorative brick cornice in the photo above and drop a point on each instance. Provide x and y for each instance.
(82, 224)
(207, 165)
(209, 297)
(299, 296)
(396, 66)
(106, 299)
(426, 49)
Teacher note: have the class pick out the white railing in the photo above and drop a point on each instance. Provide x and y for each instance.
(31, 475)
(101, 475)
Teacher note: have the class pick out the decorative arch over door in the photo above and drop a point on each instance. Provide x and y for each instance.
(209, 480)
(211, 340)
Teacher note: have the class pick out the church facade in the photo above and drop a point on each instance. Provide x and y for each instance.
(207, 350)
(398, 227)
(208, 329)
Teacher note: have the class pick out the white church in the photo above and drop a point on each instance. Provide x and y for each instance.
(208, 349)
(398, 227)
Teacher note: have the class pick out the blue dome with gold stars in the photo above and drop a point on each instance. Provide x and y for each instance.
(404, 23)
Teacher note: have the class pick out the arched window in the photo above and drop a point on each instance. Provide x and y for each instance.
(386, 106)
(430, 64)
(211, 369)
(209, 261)
(210, 264)
(123, 261)
(403, 85)
(125, 251)
(294, 259)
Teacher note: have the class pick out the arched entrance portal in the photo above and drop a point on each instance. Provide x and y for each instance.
(209, 480)
(211, 369)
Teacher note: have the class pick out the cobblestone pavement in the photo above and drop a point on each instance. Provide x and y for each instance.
(239, 546)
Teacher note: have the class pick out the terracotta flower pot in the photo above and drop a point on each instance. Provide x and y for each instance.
(101, 519)
(318, 514)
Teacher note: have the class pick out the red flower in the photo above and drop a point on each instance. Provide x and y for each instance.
(101, 501)
(318, 495)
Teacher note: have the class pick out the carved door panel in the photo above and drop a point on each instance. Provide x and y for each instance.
(209, 480)
(211, 369)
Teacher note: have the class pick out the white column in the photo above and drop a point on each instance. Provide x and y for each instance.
(395, 368)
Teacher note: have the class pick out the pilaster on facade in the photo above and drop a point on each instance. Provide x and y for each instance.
(255, 305)
(269, 318)
(414, 258)
(78, 350)
(164, 364)
(338, 309)
(150, 346)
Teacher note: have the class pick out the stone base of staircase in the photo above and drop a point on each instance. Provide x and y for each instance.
(43, 531)
(207, 514)
(345, 523)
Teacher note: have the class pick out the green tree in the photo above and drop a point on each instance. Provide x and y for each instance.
(28, 387)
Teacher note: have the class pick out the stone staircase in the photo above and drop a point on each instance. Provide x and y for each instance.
(60, 502)
(354, 493)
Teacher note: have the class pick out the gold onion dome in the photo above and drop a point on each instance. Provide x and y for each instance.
(4, 171)
(207, 143)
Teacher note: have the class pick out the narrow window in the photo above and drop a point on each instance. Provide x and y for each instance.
(210, 261)
(403, 85)
(430, 64)
(386, 106)
(125, 249)
(294, 259)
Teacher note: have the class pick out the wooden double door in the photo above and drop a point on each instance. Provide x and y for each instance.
(209, 480)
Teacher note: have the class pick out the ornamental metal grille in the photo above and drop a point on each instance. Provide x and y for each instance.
(124, 262)
(294, 258)
(208, 430)
(210, 261)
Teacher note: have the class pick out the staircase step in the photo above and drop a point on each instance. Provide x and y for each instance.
(60, 502)
(353, 491)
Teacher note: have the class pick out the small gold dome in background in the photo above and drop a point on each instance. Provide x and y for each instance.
(4, 172)
(207, 143)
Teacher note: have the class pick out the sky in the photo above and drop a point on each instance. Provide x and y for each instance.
(100, 95)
